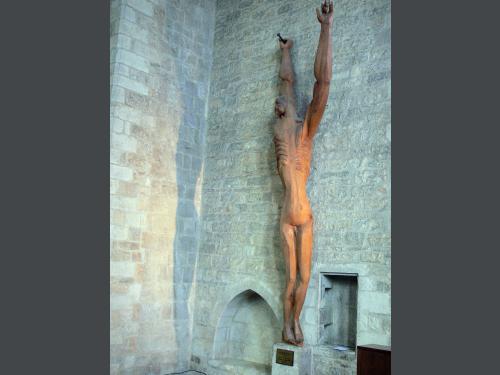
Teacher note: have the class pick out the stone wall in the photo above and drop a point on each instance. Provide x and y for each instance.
(161, 53)
(349, 186)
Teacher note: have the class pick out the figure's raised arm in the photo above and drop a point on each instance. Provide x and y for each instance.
(322, 70)
(286, 70)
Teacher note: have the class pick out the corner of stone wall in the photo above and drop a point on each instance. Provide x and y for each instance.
(161, 54)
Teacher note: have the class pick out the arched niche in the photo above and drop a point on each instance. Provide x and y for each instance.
(245, 334)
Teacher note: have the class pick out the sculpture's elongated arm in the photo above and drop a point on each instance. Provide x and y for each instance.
(286, 72)
(322, 72)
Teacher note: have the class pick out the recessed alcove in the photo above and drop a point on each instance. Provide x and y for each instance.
(245, 335)
(338, 309)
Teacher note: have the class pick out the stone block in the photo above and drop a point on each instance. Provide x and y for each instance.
(121, 173)
(143, 6)
(123, 142)
(122, 269)
(374, 302)
(129, 84)
(132, 60)
(117, 96)
(133, 30)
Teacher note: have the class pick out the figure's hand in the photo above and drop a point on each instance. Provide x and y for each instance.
(287, 45)
(325, 15)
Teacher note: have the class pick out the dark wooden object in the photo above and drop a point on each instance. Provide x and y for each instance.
(374, 360)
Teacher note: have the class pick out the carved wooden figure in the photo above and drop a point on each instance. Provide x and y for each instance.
(293, 141)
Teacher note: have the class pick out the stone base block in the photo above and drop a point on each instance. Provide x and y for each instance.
(302, 360)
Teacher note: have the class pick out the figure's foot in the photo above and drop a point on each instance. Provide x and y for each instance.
(287, 335)
(297, 332)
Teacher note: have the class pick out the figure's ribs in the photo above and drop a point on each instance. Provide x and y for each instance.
(300, 158)
(281, 152)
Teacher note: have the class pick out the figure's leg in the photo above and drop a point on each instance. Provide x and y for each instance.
(304, 253)
(288, 244)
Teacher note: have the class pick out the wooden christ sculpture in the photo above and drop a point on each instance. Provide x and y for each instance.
(293, 141)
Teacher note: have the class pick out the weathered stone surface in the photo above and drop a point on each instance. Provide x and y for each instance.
(160, 65)
(328, 361)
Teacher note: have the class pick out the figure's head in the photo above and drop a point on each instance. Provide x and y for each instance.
(280, 106)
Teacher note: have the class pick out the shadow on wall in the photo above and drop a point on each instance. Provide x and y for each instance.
(245, 335)
(188, 167)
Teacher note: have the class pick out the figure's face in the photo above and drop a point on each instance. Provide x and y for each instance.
(280, 106)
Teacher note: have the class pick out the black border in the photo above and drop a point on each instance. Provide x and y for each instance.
(55, 187)
(445, 187)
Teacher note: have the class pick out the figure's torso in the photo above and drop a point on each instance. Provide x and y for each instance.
(293, 156)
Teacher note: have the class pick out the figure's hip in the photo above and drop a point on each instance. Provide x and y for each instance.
(296, 211)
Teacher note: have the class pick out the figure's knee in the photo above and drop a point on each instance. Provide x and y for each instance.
(305, 276)
(290, 282)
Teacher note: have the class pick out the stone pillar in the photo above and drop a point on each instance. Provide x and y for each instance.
(300, 365)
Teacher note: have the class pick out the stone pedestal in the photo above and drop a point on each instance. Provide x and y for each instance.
(302, 360)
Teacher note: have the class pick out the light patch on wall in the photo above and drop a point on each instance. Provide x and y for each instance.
(197, 193)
